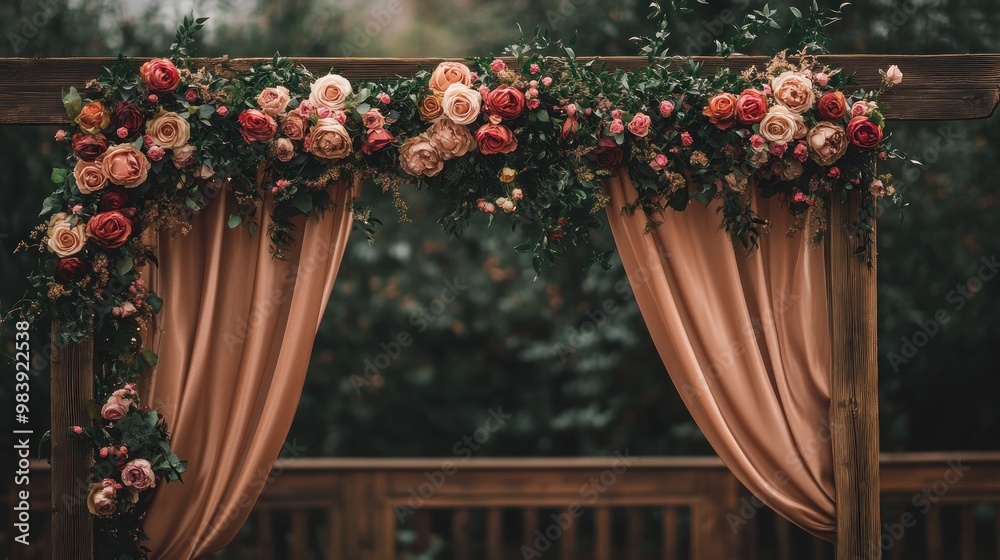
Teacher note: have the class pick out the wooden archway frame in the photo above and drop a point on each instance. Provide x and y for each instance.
(944, 87)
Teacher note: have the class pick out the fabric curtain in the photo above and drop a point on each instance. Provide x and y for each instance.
(746, 341)
(234, 339)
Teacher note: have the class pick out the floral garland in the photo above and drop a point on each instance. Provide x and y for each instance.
(533, 141)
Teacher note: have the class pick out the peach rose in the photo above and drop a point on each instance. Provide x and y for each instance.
(330, 91)
(827, 143)
(721, 110)
(294, 125)
(274, 100)
(124, 165)
(794, 91)
(283, 149)
(138, 474)
(417, 157)
(780, 124)
(449, 139)
(101, 500)
(448, 73)
(93, 117)
(461, 104)
(430, 108)
(183, 156)
(168, 130)
(89, 176)
(67, 235)
(639, 125)
(330, 140)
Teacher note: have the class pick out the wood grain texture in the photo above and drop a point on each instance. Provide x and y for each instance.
(936, 87)
(72, 386)
(854, 389)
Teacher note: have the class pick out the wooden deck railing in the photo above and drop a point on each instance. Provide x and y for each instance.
(935, 506)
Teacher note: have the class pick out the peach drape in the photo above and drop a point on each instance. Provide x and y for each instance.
(746, 341)
(234, 339)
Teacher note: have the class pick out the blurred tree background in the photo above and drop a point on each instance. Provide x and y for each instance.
(486, 335)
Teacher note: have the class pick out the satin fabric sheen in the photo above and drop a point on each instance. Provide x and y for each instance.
(746, 341)
(234, 339)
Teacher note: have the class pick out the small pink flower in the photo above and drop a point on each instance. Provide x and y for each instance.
(517, 194)
(894, 75)
(666, 108)
(77, 430)
(639, 125)
(882, 156)
(60, 135)
(834, 172)
(859, 109)
(778, 148)
(191, 96)
(801, 152)
(324, 112)
(535, 69)
(122, 132)
(533, 92)
(155, 153)
(274, 190)
(659, 162)
(104, 452)
(282, 183)
(547, 81)
(222, 111)
(498, 65)
(148, 140)
(808, 73)
(484, 91)
(533, 84)
(534, 103)
(616, 114)
(340, 116)
(767, 89)
(473, 76)
(855, 181)
(306, 109)
(617, 127)
(153, 98)
(77, 208)
(571, 109)
(800, 197)
(757, 142)
(822, 79)
(384, 98)
(877, 188)
(686, 139)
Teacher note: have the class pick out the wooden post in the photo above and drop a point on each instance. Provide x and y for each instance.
(854, 389)
(72, 385)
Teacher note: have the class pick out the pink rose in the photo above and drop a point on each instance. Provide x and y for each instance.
(115, 409)
(859, 109)
(60, 135)
(822, 79)
(801, 152)
(659, 162)
(498, 65)
(686, 139)
(138, 474)
(274, 100)
(893, 75)
(191, 95)
(751, 107)
(757, 142)
(639, 125)
(534, 103)
(330, 91)
(222, 111)
(284, 149)
(160, 76)
(547, 81)
(616, 114)
(666, 108)
(384, 98)
(373, 119)
(616, 127)
(534, 69)
(778, 149)
(101, 500)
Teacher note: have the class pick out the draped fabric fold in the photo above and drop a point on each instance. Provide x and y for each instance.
(234, 339)
(746, 341)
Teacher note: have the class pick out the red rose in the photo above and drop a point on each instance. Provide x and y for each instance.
(69, 269)
(751, 106)
(376, 140)
(113, 200)
(87, 147)
(864, 133)
(505, 102)
(495, 139)
(257, 126)
(832, 105)
(160, 75)
(109, 229)
(608, 154)
(129, 117)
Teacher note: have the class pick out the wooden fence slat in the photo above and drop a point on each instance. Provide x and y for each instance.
(494, 534)
(936, 87)
(782, 538)
(968, 532)
(567, 544)
(529, 523)
(602, 530)
(334, 534)
(634, 521)
(460, 534)
(265, 535)
(422, 525)
(670, 533)
(300, 535)
(933, 534)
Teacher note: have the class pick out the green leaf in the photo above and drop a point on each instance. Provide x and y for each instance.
(542, 115)
(303, 203)
(73, 103)
(234, 221)
(52, 203)
(59, 175)
(150, 357)
(125, 265)
(796, 12)
(155, 302)
(205, 111)
(364, 108)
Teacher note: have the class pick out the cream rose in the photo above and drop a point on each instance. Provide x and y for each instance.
(417, 157)
(448, 73)
(89, 176)
(168, 130)
(781, 125)
(330, 91)
(124, 165)
(274, 101)
(461, 104)
(449, 139)
(67, 235)
(794, 91)
(330, 140)
(101, 499)
(827, 143)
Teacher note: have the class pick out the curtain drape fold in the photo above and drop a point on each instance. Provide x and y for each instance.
(746, 341)
(234, 339)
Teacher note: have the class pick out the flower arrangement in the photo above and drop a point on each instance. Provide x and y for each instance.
(528, 137)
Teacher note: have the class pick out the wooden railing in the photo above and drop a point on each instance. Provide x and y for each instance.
(935, 506)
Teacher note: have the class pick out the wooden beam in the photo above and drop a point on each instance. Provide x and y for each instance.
(936, 87)
(72, 386)
(854, 389)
